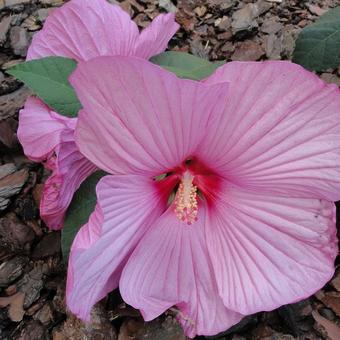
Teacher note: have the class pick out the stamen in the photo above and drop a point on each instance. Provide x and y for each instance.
(186, 200)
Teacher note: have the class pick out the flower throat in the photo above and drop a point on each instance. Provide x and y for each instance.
(183, 188)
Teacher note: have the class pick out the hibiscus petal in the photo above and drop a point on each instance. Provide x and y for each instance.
(154, 39)
(280, 132)
(269, 251)
(129, 205)
(145, 119)
(84, 29)
(40, 128)
(86, 236)
(171, 266)
(70, 169)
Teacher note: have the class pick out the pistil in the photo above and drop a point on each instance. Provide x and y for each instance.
(186, 207)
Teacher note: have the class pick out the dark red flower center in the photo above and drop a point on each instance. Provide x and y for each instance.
(186, 185)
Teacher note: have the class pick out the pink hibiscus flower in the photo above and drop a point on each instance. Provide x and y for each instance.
(253, 157)
(81, 29)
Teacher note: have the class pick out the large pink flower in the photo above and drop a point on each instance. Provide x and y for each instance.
(253, 157)
(81, 29)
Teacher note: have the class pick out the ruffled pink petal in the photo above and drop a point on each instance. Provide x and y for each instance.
(84, 29)
(139, 118)
(40, 128)
(171, 266)
(280, 132)
(154, 39)
(69, 169)
(129, 204)
(269, 251)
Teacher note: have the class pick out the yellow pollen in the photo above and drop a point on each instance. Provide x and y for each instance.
(186, 200)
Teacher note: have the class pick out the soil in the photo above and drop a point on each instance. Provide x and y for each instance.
(32, 272)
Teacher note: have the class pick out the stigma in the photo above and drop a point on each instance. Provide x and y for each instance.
(186, 207)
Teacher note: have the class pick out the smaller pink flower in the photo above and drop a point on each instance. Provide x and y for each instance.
(49, 137)
(219, 198)
(69, 170)
(81, 29)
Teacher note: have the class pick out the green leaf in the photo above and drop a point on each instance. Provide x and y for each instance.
(80, 209)
(318, 45)
(185, 65)
(48, 78)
